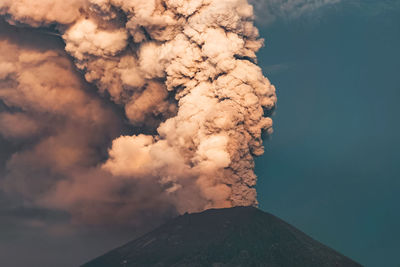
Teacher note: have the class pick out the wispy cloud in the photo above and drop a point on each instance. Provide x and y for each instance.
(373, 7)
(267, 11)
(277, 68)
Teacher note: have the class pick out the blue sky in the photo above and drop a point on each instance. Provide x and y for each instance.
(332, 166)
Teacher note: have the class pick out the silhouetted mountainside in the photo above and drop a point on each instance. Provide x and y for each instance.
(240, 236)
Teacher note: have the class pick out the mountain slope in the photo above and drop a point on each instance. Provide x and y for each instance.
(240, 236)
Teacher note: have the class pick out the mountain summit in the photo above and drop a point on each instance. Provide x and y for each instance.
(240, 236)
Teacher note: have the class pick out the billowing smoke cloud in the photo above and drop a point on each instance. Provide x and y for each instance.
(185, 74)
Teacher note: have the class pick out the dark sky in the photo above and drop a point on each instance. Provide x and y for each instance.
(332, 166)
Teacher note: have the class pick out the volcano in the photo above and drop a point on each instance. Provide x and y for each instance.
(239, 236)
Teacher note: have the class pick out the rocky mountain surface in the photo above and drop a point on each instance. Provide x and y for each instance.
(240, 236)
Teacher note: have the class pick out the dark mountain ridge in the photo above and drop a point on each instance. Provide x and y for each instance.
(240, 236)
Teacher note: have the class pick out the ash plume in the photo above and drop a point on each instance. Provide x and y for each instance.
(184, 72)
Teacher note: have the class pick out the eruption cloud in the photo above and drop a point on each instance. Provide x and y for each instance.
(183, 71)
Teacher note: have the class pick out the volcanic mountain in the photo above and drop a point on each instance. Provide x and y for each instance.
(240, 236)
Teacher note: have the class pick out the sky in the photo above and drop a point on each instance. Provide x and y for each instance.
(330, 167)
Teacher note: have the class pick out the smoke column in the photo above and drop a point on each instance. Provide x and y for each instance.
(185, 74)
